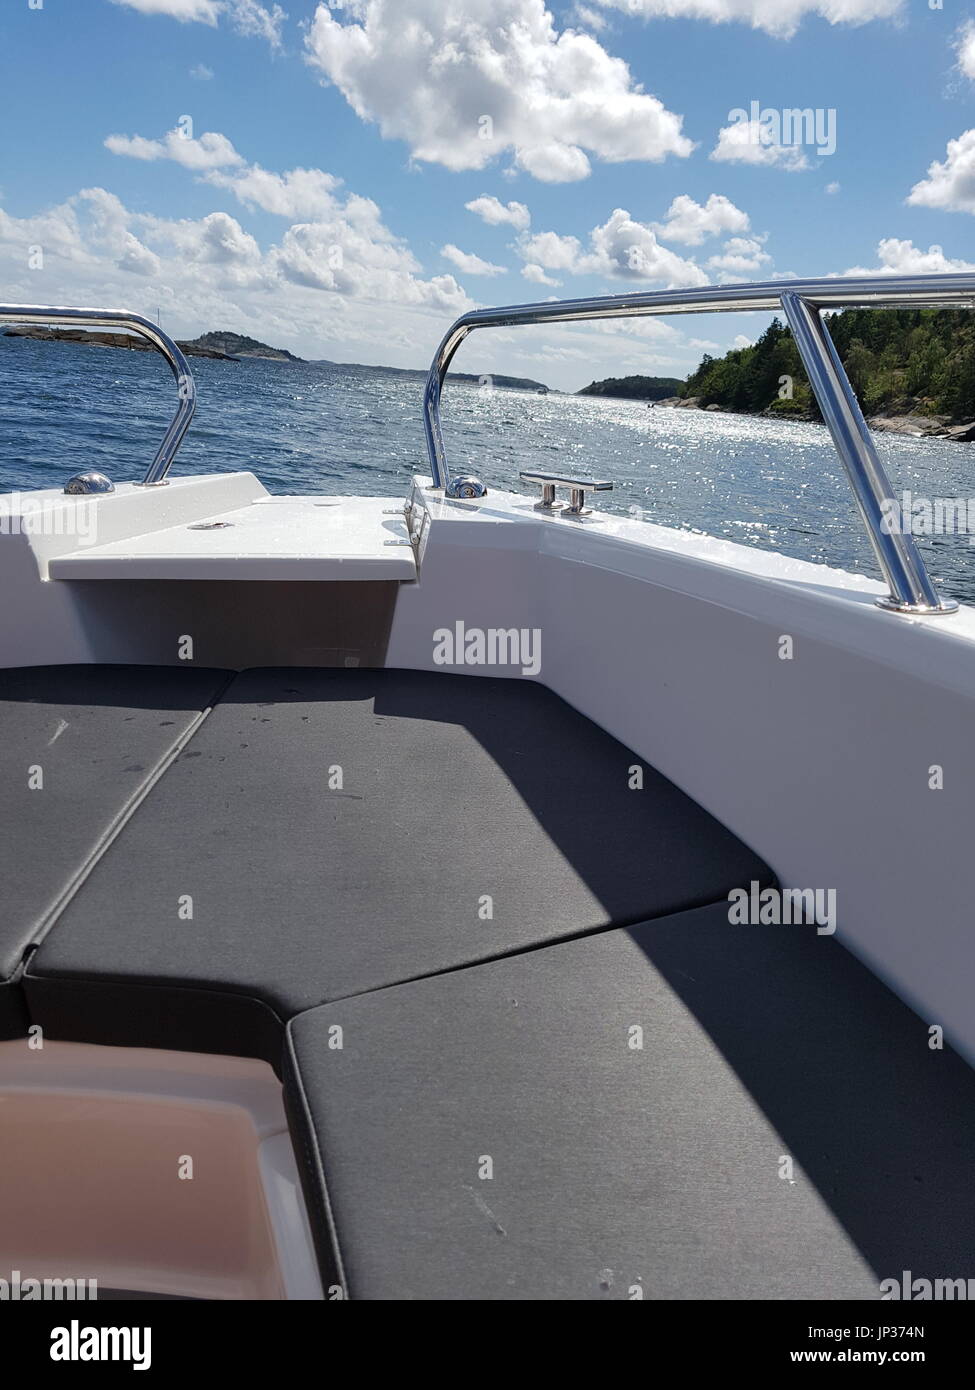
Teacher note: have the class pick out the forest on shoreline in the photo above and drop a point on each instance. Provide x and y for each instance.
(918, 362)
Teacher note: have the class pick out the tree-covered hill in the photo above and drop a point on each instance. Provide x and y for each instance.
(900, 361)
(638, 388)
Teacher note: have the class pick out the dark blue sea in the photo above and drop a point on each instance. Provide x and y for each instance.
(318, 428)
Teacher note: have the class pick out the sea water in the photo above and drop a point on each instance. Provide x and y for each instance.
(315, 427)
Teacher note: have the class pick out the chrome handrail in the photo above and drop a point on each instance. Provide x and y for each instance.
(162, 342)
(802, 301)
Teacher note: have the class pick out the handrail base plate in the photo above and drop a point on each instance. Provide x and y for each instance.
(918, 610)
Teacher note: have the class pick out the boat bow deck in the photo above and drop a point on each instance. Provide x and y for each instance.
(560, 1071)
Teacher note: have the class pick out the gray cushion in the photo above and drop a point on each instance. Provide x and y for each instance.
(616, 1169)
(98, 735)
(453, 789)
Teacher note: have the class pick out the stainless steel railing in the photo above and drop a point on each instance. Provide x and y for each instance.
(802, 301)
(162, 342)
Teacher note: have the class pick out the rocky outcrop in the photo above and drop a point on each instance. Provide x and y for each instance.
(914, 426)
(237, 345)
(961, 434)
(112, 340)
(923, 427)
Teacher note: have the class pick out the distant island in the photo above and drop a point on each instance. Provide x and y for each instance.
(508, 383)
(635, 388)
(225, 347)
(93, 338)
(235, 347)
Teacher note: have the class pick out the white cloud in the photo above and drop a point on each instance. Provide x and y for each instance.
(110, 223)
(195, 293)
(56, 231)
(210, 271)
(537, 275)
(741, 256)
(569, 355)
(652, 327)
(742, 341)
(205, 11)
(629, 250)
(371, 304)
(950, 185)
(247, 17)
(779, 17)
(90, 229)
(299, 193)
(904, 258)
(554, 252)
(210, 151)
(255, 22)
(747, 142)
(588, 18)
(496, 213)
(343, 287)
(214, 241)
(832, 188)
(469, 264)
(691, 223)
(553, 161)
(357, 256)
(620, 249)
(201, 73)
(965, 48)
(463, 81)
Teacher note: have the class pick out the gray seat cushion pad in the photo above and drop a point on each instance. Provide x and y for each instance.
(91, 739)
(617, 1169)
(339, 831)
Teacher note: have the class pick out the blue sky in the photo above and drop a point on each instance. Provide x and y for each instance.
(584, 135)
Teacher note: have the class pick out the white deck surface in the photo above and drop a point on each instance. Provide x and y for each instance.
(268, 538)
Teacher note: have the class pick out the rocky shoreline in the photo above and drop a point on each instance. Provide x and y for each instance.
(111, 340)
(914, 426)
(923, 427)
